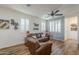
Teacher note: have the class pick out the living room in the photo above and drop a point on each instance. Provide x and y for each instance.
(38, 19)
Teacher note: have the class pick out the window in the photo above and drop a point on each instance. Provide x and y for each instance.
(51, 26)
(25, 24)
(22, 24)
(55, 26)
(59, 26)
(43, 26)
(50, 23)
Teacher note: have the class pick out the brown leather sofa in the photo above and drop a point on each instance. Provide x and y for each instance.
(41, 38)
(36, 48)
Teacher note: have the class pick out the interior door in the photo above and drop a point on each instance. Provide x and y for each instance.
(56, 28)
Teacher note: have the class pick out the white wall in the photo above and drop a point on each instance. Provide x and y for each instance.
(68, 33)
(10, 37)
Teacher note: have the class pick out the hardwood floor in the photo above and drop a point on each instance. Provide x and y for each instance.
(15, 50)
(68, 47)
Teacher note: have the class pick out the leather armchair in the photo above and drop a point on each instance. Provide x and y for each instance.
(36, 48)
(44, 49)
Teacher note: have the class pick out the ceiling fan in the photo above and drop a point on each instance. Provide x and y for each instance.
(55, 13)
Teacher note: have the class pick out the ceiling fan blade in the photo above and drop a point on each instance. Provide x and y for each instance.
(57, 11)
(58, 14)
(52, 12)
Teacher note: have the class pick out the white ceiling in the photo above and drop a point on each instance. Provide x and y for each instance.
(40, 10)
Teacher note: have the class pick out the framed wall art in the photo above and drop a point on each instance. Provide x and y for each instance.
(4, 24)
(73, 27)
(36, 26)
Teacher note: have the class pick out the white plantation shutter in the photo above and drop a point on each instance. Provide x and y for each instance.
(55, 26)
(43, 26)
(25, 24)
